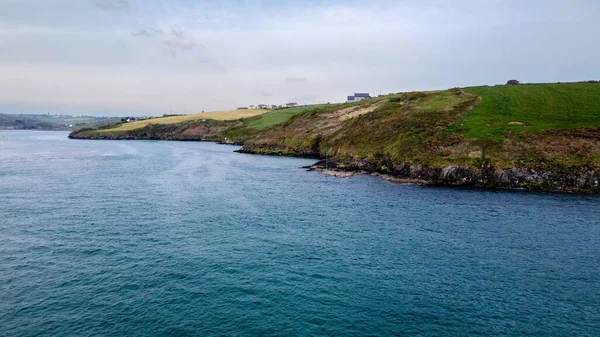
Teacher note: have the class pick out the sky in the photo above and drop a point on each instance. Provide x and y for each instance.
(150, 57)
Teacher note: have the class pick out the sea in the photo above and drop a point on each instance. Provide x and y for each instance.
(159, 238)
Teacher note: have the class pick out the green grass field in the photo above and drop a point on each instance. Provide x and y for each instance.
(279, 116)
(532, 107)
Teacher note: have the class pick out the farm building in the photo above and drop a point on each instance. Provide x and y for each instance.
(359, 96)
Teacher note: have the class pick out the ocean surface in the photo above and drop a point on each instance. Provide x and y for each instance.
(148, 238)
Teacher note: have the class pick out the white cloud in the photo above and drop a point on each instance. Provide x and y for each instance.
(180, 55)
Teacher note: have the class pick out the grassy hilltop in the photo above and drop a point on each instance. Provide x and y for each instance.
(533, 128)
(538, 106)
(502, 124)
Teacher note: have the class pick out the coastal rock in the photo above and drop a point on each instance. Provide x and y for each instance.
(459, 175)
(582, 180)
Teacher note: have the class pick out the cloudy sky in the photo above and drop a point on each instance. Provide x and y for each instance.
(117, 57)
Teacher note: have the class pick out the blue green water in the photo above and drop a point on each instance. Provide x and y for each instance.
(138, 238)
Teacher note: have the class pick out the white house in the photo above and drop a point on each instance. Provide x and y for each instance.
(359, 96)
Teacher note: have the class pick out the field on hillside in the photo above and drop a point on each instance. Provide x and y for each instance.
(531, 107)
(258, 124)
(279, 116)
(217, 115)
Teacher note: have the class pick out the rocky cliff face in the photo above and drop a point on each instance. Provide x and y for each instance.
(555, 179)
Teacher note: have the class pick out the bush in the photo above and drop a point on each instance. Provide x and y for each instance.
(513, 82)
(455, 91)
(413, 96)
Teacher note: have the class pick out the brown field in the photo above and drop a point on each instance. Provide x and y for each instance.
(218, 115)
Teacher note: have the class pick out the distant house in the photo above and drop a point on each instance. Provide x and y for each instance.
(291, 105)
(252, 107)
(359, 96)
(243, 108)
(263, 106)
(274, 106)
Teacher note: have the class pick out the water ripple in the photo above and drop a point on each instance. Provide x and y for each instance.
(161, 238)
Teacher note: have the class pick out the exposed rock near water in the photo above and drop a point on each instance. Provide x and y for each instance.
(583, 180)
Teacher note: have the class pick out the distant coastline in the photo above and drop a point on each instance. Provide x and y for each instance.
(48, 122)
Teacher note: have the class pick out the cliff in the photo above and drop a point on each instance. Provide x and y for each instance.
(543, 136)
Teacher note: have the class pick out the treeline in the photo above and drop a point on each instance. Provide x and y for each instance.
(24, 123)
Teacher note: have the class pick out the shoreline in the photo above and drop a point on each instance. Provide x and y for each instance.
(419, 182)
(487, 178)
(584, 182)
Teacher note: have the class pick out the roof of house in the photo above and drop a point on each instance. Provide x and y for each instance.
(361, 94)
(351, 98)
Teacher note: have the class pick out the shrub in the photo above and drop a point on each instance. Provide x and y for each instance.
(513, 82)
(413, 96)
(455, 91)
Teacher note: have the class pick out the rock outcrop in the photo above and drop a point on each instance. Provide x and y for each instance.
(556, 179)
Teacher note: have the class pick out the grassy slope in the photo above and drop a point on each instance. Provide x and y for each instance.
(433, 128)
(398, 127)
(279, 116)
(408, 127)
(216, 115)
(439, 128)
(251, 127)
(538, 106)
